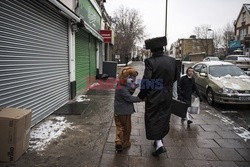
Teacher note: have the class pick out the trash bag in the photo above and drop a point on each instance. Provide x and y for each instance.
(102, 76)
(195, 106)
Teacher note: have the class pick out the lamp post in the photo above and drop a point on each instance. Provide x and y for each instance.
(166, 20)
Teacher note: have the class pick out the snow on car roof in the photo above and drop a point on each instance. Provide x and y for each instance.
(212, 63)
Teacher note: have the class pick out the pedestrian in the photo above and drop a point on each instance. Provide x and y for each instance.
(186, 88)
(161, 72)
(123, 107)
(126, 60)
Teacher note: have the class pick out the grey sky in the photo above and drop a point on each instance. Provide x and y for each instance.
(183, 15)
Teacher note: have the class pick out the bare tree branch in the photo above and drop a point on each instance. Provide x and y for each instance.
(129, 30)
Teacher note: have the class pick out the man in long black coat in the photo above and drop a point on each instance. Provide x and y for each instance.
(156, 87)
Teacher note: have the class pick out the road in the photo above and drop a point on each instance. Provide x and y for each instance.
(240, 114)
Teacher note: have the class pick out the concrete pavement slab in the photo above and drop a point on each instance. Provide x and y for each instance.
(227, 154)
(231, 143)
(228, 135)
(242, 164)
(179, 153)
(206, 143)
(154, 162)
(203, 153)
(196, 163)
(222, 164)
(245, 153)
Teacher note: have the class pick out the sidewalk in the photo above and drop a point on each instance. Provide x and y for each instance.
(207, 142)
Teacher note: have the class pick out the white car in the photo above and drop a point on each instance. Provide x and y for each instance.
(211, 59)
(239, 60)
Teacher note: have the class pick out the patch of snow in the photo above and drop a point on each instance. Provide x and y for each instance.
(235, 86)
(50, 130)
(240, 131)
(93, 85)
(230, 112)
(229, 77)
(246, 80)
(224, 119)
(82, 98)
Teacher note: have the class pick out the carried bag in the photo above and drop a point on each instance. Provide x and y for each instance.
(195, 106)
(179, 108)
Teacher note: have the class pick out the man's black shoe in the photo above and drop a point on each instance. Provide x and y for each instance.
(159, 151)
(189, 122)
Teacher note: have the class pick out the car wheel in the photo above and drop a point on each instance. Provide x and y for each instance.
(210, 96)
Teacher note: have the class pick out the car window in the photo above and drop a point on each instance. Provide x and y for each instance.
(231, 58)
(220, 71)
(197, 68)
(215, 58)
(204, 69)
(243, 58)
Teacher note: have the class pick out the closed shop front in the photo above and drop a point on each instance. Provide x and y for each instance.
(87, 39)
(34, 65)
(82, 59)
(85, 58)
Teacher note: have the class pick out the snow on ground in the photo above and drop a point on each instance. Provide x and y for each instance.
(48, 131)
(82, 98)
(240, 131)
(93, 85)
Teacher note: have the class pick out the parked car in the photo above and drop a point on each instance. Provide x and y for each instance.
(211, 59)
(239, 60)
(222, 82)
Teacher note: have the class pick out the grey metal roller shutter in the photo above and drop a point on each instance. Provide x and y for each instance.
(34, 72)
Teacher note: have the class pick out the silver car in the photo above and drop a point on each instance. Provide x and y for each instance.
(239, 60)
(222, 82)
(211, 59)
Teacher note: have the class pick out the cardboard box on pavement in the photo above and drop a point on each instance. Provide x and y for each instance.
(14, 133)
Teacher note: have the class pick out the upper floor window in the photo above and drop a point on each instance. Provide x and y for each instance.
(243, 16)
(243, 33)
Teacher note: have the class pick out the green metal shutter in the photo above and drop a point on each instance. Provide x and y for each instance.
(82, 59)
(92, 50)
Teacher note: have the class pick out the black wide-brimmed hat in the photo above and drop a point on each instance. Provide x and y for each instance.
(156, 42)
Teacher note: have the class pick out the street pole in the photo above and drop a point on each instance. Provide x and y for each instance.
(166, 20)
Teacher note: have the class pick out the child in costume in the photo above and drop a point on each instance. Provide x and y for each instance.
(123, 107)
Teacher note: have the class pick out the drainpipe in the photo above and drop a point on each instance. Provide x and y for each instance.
(71, 42)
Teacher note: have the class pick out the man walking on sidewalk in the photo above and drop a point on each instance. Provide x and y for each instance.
(156, 87)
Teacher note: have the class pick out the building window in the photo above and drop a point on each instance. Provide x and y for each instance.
(243, 33)
(243, 16)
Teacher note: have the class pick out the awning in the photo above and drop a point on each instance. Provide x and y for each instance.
(93, 32)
